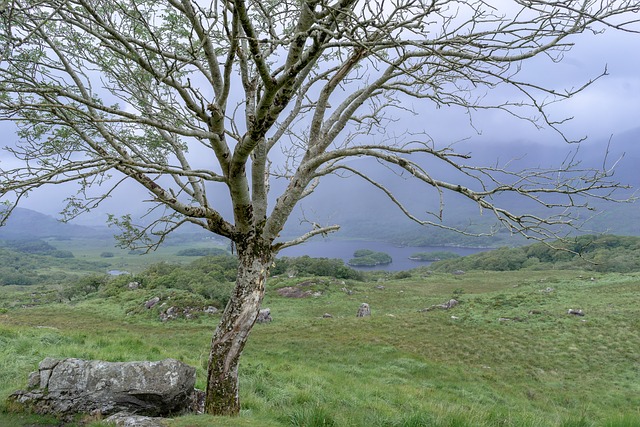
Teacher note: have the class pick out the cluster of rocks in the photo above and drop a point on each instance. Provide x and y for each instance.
(444, 306)
(175, 312)
(133, 285)
(363, 311)
(297, 292)
(125, 393)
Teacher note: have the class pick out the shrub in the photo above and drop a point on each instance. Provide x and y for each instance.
(402, 275)
(209, 278)
(84, 286)
(307, 266)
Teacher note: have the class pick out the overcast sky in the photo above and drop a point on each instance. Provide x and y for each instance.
(609, 107)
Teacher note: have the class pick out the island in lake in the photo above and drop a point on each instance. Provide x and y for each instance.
(369, 258)
(433, 256)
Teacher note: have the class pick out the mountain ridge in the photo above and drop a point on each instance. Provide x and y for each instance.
(28, 224)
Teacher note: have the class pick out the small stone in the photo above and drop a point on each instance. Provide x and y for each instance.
(211, 310)
(152, 302)
(364, 310)
(327, 316)
(509, 319)
(264, 316)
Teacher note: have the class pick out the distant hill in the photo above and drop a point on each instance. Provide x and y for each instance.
(601, 253)
(26, 224)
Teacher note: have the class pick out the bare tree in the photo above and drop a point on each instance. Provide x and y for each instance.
(190, 97)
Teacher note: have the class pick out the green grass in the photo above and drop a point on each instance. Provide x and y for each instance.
(400, 367)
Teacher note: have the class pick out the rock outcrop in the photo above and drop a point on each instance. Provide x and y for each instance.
(264, 316)
(364, 310)
(444, 306)
(63, 387)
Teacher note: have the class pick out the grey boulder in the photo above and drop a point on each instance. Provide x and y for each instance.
(64, 387)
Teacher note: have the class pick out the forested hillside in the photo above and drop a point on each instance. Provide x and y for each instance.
(602, 253)
(36, 262)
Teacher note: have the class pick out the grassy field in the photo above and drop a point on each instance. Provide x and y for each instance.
(508, 355)
(122, 259)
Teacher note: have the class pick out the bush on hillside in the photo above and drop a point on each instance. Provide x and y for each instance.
(211, 278)
(307, 266)
(82, 287)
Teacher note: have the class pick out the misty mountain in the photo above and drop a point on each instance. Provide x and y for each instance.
(364, 212)
(27, 224)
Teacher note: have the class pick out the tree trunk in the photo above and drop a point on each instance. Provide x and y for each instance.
(232, 332)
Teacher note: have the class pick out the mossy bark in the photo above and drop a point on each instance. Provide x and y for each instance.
(231, 335)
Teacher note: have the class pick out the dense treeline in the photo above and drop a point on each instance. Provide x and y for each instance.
(29, 268)
(39, 247)
(602, 253)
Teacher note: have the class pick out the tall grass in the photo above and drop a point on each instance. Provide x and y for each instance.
(538, 366)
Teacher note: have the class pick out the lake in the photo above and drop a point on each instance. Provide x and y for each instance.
(344, 249)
